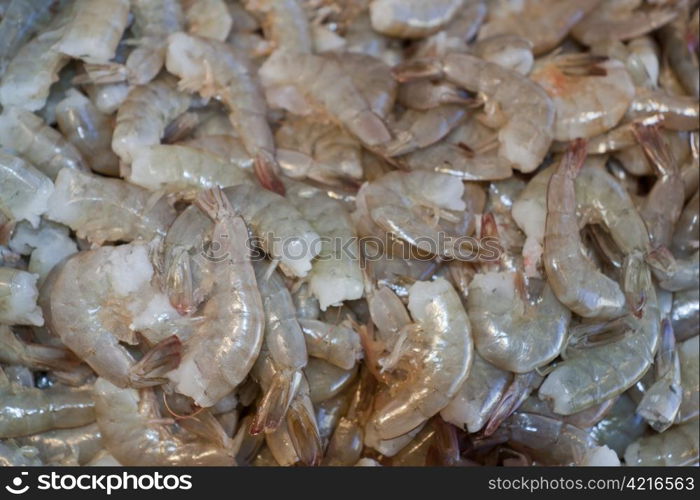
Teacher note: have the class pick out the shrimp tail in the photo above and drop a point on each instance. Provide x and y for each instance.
(102, 73)
(417, 70)
(214, 203)
(656, 148)
(304, 434)
(575, 157)
(54, 358)
(518, 390)
(275, 403)
(179, 284)
(661, 260)
(633, 287)
(162, 358)
(266, 171)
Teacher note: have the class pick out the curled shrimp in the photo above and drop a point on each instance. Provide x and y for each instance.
(94, 30)
(124, 212)
(144, 115)
(25, 190)
(31, 138)
(133, 432)
(89, 130)
(575, 280)
(437, 356)
(676, 49)
(215, 69)
(413, 18)
(224, 347)
(94, 316)
(591, 96)
(543, 23)
(18, 296)
(300, 81)
(520, 109)
(677, 446)
(510, 331)
(621, 20)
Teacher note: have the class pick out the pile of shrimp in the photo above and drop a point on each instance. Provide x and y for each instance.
(349, 232)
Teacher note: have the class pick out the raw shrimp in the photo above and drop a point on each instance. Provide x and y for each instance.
(303, 80)
(26, 410)
(94, 31)
(511, 330)
(66, 446)
(679, 53)
(284, 23)
(108, 97)
(426, 94)
(296, 436)
(436, 357)
(178, 168)
(686, 237)
(215, 69)
(284, 345)
(224, 347)
(573, 277)
(662, 400)
(336, 344)
(677, 446)
(690, 380)
(621, 20)
(590, 95)
(678, 112)
(620, 427)
(409, 205)
(135, 435)
(685, 313)
(335, 275)
(415, 130)
(412, 18)
(12, 455)
(208, 18)
(18, 296)
(21, 19)
(35, 356)
(25, 191)
(144, 115)
(102, 209)
(549, 440)
(543, 23)
(601, 372)
(520, 109)
(154, 20)
(224, 146)
(664, 203)
(89, 130)
(34, 67)
(462, 154)
(478, 397)
(94, 299)
(326, 380)
(319, 151)
(31, 138)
